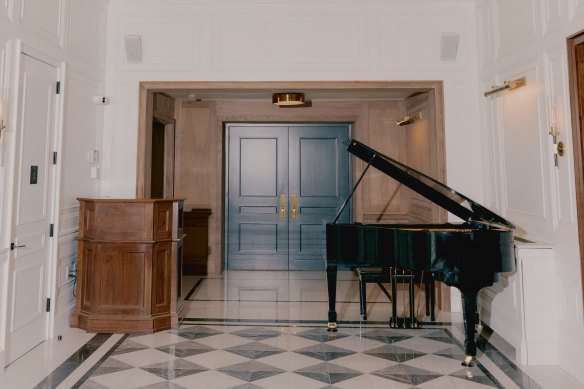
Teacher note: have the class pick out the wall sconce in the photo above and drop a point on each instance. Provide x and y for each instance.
(559, 148)
(409, 119)
(507, 85)
(288, 98)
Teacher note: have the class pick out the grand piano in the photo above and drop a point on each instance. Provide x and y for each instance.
(467, 255)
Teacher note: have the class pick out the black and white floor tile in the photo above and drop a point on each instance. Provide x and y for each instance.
(231, 356)
(254, 330)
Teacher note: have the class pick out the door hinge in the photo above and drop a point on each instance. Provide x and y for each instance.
(48, 305)
(58, 88)
(51, 230)
(11, 246)
(54, 157)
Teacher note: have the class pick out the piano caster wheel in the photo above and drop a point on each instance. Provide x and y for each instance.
(332, 327)
(468, 361)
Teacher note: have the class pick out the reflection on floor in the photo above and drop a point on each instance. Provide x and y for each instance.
(268, 330)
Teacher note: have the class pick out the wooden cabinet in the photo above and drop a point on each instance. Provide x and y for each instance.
(196, 243)
(129, 265)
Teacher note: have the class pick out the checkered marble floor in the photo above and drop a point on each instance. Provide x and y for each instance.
(272, 356)
(257, 329)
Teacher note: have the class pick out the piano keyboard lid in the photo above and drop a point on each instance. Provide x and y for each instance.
(440, 194)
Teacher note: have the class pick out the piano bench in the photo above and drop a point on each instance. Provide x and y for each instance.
(377, 275)
(380, 275)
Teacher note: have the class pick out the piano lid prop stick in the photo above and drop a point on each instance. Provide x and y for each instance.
(353, 190)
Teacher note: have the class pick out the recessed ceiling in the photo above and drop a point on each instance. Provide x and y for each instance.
(311, 94)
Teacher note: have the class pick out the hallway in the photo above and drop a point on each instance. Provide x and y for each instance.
(256, 329)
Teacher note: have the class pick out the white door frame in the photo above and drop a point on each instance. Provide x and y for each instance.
(11, 153)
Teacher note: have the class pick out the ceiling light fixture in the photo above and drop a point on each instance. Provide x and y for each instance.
(288, 98)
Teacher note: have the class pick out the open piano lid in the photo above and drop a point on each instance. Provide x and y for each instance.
(440, 194)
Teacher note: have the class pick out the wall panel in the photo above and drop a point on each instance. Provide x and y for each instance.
(485, 34)
(6, 7)
(552, 13)
(525, 172)
(516, 24)
(80, 135)
(86, 24)
(44, 18)
(564, 210)
(422, 46)
(320, 41)
(168, 42)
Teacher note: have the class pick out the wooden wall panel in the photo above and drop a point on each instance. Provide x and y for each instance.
(383, 200)
(195, 153)
(422, 147)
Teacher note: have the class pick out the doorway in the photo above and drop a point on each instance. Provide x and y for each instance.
(284, 182)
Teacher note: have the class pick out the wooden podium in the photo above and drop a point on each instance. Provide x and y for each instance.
(129, 266)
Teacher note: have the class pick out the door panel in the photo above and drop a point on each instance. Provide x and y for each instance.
(309, 167)
(33, 202)
(319, 178)
(257, 235)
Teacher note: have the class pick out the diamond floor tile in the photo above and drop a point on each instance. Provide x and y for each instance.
(324, 352)
(329, 373)
(254, 350)
(186, 349)
(251, 371)
(407, 374)
(394, 353)
(174, 369)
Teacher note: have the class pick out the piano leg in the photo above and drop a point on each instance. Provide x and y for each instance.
(331, 278)
(469, 312)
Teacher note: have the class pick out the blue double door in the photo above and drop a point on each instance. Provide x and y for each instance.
(284, 183)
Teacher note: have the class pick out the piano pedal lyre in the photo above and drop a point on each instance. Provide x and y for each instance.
(406, 277)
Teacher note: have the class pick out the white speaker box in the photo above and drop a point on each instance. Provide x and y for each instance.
(449, 46)
(133, 48)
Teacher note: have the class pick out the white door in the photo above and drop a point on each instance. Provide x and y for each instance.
(33, 206)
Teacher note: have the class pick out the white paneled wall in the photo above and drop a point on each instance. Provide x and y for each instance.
(298, 41)
(71, 32)
(527, 38)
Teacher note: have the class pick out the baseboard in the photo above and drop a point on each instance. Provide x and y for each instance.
(2, 362)
(63, 319)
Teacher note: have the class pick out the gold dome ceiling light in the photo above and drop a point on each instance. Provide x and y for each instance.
(288, 98)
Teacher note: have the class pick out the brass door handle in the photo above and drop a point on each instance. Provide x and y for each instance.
(294, 201)
(282, 207)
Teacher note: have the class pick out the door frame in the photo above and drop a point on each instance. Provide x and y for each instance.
(20, 50)
(226, 170)
(576, 90)
(344, 110)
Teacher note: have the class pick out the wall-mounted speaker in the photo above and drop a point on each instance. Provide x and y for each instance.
(449, 46)
(133, 48)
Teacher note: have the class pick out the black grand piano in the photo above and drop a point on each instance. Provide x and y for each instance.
(467, 255)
